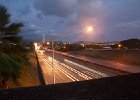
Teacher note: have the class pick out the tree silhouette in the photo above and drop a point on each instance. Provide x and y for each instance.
(131, 43)
(8, 30)
(9, 64)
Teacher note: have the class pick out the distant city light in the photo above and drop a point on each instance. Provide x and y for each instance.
(119, 45)
(82, 45)
(48, 43)
(36, 47)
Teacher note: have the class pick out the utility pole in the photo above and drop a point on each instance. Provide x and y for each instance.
(53, 58)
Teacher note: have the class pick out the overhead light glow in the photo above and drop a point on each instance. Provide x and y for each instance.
(89, 29)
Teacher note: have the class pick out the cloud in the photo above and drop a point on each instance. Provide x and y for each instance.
(69, 8)
(122, 31)
(30, 30)
(55, 7)
(68, 13)
(17, 7)
(110, 18)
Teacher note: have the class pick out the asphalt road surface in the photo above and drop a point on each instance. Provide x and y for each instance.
(64, 69)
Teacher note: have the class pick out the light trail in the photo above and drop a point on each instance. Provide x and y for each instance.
(81, 66)
(77, 72)
(47, 63)
(92, 74)
(84, 76)
(71, 77)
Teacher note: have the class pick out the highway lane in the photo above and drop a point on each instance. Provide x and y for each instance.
(67, 69)
(48, 71)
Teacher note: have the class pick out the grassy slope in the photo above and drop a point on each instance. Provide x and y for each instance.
(29, 74)
(31, 77)
(112, 88)
(128, 57)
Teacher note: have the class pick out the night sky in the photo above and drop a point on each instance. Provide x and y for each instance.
(111, 19)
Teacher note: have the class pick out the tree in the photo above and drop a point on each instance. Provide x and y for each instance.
(131, 43)
(4, 18)
(9, 31)
(10, 64)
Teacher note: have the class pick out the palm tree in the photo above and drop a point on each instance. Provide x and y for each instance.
(8, 30)
(12, 59)
(4, 18)
(9, 65)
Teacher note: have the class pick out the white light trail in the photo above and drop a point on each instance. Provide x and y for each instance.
(94, 71)
(74, 70)
(71, 77)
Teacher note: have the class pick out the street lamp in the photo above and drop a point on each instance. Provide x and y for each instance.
(53, 58)
(53, 37)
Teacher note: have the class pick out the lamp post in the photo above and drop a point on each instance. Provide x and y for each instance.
(53, 58)
(52, 39)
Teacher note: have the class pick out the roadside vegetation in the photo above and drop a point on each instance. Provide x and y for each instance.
(15, 60)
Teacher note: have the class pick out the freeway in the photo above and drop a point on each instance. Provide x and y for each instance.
(66, 69)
